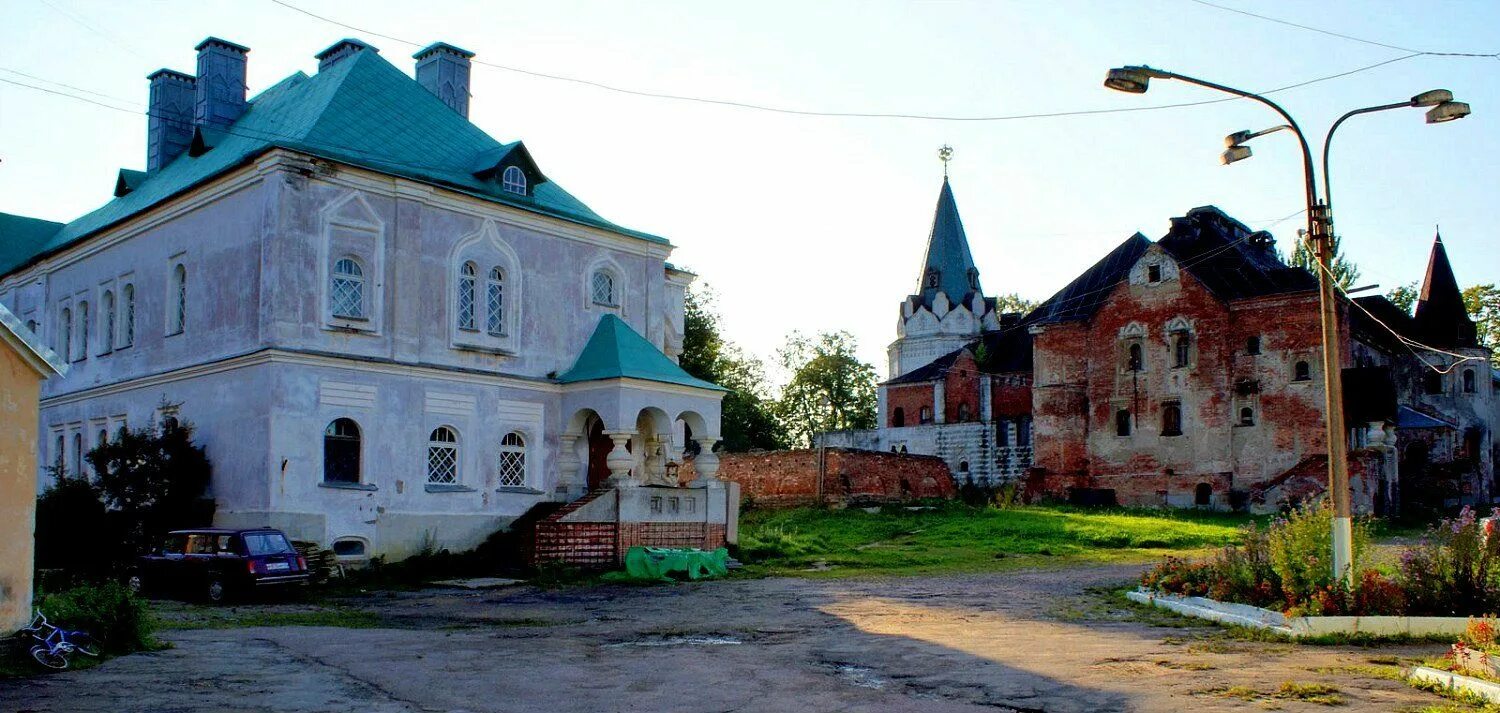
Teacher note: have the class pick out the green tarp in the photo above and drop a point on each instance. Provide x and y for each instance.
(660, 562)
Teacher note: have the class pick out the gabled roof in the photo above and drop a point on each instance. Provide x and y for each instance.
(362, 111)
(26, 343)
(21, 237)
(947, 254)
(1442, 320)
(931, 371)
(615, 351)
(1087, 292)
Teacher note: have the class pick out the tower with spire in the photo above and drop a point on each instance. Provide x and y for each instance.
(1441, 319)
(948, 309)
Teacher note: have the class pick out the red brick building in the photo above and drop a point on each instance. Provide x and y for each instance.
(1186, 371)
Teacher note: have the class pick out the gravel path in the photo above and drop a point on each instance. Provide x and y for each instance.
(1019, 641)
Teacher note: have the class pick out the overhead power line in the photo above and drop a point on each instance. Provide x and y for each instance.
(1340, 35)
(834, 114)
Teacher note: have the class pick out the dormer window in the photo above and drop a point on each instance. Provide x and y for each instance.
(513, 180)
(1153, 273)
(932, 278)
(973, 279)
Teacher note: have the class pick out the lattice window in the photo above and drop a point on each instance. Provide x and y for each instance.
(604, 289)
(513, 460)
(495, 303)
(347, 290)
(178, 320)
(65, 344)
(127, 336)
(110, 321)
(83, 330)
(442, 456)
(513, 180)
(466, 296)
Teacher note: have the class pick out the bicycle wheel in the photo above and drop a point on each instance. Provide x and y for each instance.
(49, 658)
(83, 643)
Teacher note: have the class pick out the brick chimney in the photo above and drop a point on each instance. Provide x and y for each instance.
(169, 117)
(444, 70)
(339, 50)
(221, 83)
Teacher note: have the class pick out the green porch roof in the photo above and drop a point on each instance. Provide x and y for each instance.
(616, 351)
(361, 111)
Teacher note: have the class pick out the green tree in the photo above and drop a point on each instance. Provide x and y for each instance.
(1404, 297)
(1483, 303)
(746, 417)
(1345, 272)
(830, 388)
(1014, 302)
(153, 480)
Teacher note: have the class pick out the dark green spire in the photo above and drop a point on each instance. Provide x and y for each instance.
(948, 267)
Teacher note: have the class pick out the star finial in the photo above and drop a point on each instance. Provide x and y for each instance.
(945, 154)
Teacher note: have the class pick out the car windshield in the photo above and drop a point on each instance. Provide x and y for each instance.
(266, 543)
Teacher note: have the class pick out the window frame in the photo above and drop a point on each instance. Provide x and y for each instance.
(81, 313)
(495, 323)
(1302, 371)
(513, 459)
(1182, 349)
(355, 282)
(127, 323)
(438, 447)
(177, 298)
(612, 296)
(1470, 381)
(1252, 345)
(1124, 423)
(465, 316)
(513, 180)
(358, 442)
(108, 312)
(1171, 427)
(1246, 417)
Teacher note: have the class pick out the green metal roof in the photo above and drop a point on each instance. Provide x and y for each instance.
(615, 351)
(947, 254)
(361, 111)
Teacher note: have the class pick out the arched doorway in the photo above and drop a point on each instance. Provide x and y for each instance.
(599, 448)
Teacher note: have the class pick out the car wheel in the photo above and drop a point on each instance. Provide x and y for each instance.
(215, 591)
(136, 583)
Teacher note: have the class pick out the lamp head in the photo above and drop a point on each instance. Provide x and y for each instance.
(1237, 138)
(1447, 111)
(1432, 97)
(1234, 153)
(1132, 80)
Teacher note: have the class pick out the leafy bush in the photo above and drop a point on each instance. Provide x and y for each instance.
(1301, 550)
(74, 533)
(1455, 570)
(118, 619)
(155, 479)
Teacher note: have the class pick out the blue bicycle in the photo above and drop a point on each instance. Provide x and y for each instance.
(54, 645)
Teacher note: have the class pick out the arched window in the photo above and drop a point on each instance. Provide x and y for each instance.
(495, 303)
(1469, 385)
(963, 466)
(346, 292)
(1247, 416)
(1181, 349)
(602, 288)
(1122, 422)
(1252, 345)
(1136, 361)
(65, 334)
(341, 442)
(103, 436)
(78, 454)
(1171, 420)
(442, 456)
(903, 448)
(1301, 371)
(83, 330)
(963, 412)
(177, 322)
(127, 329)
(108, 305)
(513, 460)
(60, 454)
(898, 418)
(933, 278)
(466, 276)
(513, 180)
(926, 415)
(1203, 495)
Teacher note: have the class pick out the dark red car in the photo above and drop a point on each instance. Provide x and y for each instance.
(216, 563)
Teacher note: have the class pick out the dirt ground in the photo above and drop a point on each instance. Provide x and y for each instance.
(1054, 641)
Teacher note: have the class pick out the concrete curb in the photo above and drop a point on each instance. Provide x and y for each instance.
(1455, 682)
(1257, 618)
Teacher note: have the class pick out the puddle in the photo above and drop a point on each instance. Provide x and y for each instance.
(679, 641)
(862, 676)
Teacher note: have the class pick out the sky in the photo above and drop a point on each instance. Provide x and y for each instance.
(819, 223)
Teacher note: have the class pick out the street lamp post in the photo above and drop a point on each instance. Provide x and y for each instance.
(1136, 80)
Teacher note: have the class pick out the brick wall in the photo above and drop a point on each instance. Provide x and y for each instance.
(961, 390)
(911, 399)
(602, 545)
(855, 476)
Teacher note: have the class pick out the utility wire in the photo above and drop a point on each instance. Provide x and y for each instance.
(1339, 35)
(1405, 341)
(835, 114)
(69, 86)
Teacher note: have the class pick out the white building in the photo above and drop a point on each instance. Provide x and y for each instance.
(372, 311)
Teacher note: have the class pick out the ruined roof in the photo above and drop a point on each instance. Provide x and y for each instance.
(931, 371)
(997, 351)
(947, 255)
(1087, 292)
(1228, 259)
(362, 111)
(1442, 320)
(1378, 310)
(615, 351)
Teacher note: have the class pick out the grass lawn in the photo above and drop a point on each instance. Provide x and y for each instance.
(950, 537)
